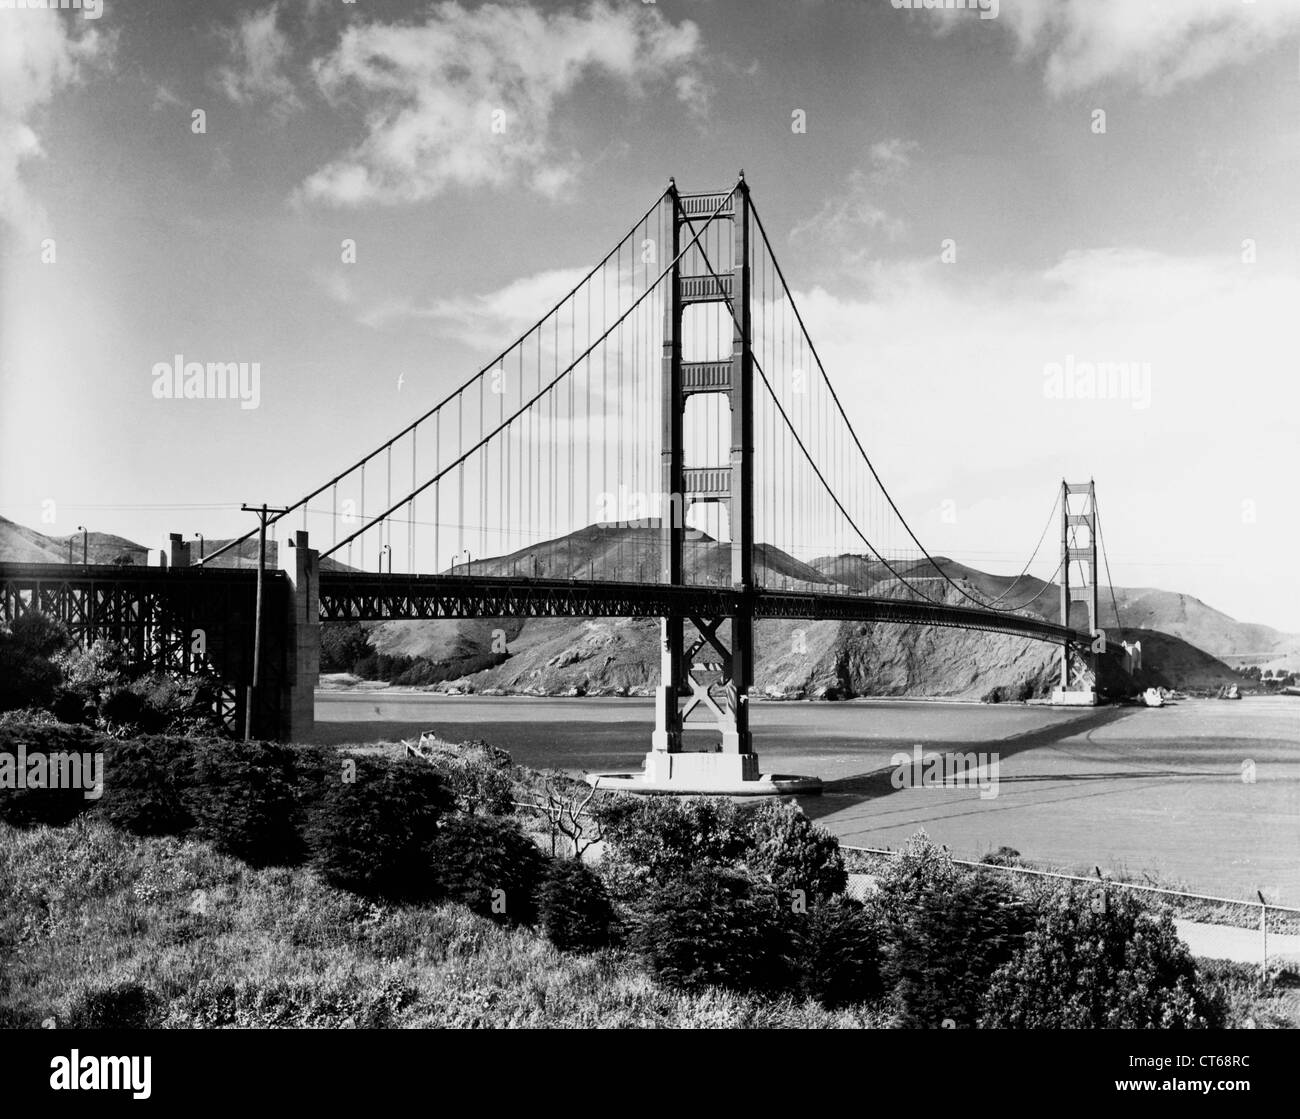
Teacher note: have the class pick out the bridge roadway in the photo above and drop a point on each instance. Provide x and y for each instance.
(118, 592)
(360, 596)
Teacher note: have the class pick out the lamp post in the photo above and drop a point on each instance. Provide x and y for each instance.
(199, 536)
(388, 549)
(85, 544)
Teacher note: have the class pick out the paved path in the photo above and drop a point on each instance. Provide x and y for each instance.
(1211, 942)
(1223, 942)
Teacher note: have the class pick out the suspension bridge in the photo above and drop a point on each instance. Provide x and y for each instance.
(664, 442)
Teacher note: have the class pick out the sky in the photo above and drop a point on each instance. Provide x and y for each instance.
(970, 205)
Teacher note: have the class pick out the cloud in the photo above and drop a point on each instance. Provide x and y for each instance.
(1155, 45)
(488, 321)
(929, 358)
(853, 215)
(259, 54)
(466, 97)
(38, 57)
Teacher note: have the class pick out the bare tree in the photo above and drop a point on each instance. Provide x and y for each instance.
(566, 816)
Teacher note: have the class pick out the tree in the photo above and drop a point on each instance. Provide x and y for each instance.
(1099, 960)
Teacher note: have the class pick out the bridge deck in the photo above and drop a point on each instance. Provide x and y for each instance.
(356, 596)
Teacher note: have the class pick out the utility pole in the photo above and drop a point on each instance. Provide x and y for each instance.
(262, 511)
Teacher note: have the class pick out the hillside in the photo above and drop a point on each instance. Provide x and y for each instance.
(19, 544)
(792, 658)
(1140, 608)
(1182, 637)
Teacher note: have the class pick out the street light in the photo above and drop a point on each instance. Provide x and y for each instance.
(85, 544)
(389, 549)
(464, 552)
(200, 539)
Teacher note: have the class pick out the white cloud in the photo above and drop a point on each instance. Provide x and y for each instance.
(489, 321)
(38, 58)
(259, 53)
(1155, 45)
(929, 360)
(430, 91)
(853, 214)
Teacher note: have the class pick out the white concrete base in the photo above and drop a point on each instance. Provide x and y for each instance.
(701, 774)
(1084, 698)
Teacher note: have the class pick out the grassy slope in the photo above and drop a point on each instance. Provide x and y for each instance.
(86, 905)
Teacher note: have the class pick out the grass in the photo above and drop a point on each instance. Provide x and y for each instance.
(221, 944)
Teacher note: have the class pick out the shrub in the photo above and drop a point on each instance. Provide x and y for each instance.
(921, 866)
(488, 864)
(1096, 959)
(670, 836)
(54, 746)
(373, 835)
(147, 785)
(791, 852)
(243, 801)
(27, 679)
(39, 634)
(92, 672)
(838, 953)
(573, 908)
(120, 1006)
(477, 775)
(942, 954)
(712, 927)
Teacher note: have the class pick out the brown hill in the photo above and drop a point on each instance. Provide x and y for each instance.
(19, 544)
(1179, 633)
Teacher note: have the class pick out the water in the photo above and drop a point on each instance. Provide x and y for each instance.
(1203, 794)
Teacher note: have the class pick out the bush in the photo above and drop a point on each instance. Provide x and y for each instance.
(41, 747)
(121, 1006)
(838, 953)
(488, 864)
(243, 801)
(920, 867)
(792, 853)
(712, 927)
(573, 908)
(477, 775)
(91, 673)
(373, 835)
(1097, 959)
(670, 836)
(148, 783)
(28, 678)
(942, 954)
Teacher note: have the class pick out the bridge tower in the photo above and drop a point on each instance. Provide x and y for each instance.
(1079, 667)
(732, 760)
